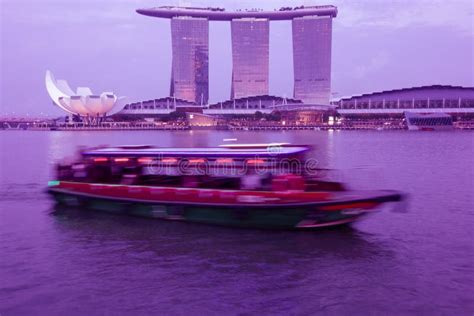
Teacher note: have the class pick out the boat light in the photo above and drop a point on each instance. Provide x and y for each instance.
(255, 161)
(121, 159)
(100, 159)
(169, 160)
(198, 160)
(145, 160)
(224, 160)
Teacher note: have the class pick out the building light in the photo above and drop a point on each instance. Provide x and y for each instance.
(331, 120)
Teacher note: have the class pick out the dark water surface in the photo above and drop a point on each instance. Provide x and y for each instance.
(56, 261)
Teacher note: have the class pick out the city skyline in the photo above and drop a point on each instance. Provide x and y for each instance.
(130, 53)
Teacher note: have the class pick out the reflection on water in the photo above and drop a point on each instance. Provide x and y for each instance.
(329, 241)
(234, 264)
(70, 261)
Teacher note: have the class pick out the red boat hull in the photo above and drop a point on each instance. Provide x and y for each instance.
(263, 209)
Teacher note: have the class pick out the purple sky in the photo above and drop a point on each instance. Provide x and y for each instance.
(105, 45)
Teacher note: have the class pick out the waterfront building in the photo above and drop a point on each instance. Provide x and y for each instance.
(250, 57)
(312, 38)
(291, 109)
(303, 117)
(198, 120)
(285, 110)
(425, 99)
(83, 102)
(249, 105)
(390, 106)
(190, 64)
(157, 108)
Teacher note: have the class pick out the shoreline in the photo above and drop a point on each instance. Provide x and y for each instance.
(228, 128)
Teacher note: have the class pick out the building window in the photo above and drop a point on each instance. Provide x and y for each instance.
(467, 103)
(377, 104)
(421, 104)
(391, 104)
(406, 104)
(451, 103)
(436, 104)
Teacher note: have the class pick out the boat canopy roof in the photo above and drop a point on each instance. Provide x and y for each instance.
(235, 151)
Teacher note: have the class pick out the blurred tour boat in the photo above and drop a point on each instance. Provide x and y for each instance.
(262, 186)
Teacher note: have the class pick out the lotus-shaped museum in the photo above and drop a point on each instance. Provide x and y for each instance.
(82, 102)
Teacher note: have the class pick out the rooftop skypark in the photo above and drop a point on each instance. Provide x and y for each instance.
(220, 14)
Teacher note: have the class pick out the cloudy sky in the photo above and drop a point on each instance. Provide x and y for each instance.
(104, 44)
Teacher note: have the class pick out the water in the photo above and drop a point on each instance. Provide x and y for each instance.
(56, 261)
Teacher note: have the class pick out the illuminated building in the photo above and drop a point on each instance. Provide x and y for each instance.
(250, 53)
(312, 33)
(83, 102)
(190, 65)
(312, 58)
